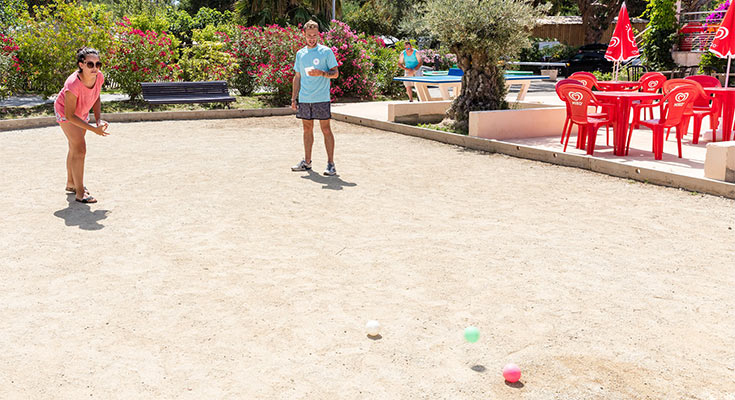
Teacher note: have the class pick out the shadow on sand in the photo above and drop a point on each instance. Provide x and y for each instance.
(328, 182)
(79, 214)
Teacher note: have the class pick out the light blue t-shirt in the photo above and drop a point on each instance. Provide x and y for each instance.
(314, 89)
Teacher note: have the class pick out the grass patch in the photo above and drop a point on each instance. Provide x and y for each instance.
(47, 110)
(442, 128)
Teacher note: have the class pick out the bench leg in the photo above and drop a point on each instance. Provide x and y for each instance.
(524, 89)
(422, 90)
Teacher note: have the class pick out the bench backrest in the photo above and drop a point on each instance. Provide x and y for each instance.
(157, 89)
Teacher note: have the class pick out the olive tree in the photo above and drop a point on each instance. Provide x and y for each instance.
(481, 33)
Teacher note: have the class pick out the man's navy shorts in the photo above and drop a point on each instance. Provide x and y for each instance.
(314, 110)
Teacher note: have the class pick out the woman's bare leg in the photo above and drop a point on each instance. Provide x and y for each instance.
(77, 153)
(69, 177)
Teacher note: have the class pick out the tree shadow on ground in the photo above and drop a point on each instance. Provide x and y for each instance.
(79, 214)
(328, 182)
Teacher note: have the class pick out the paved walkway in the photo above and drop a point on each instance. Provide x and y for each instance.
(692, 163)
(34, 100)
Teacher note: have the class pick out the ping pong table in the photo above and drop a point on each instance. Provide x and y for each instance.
(454, 82)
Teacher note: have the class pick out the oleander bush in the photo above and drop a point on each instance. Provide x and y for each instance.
(138, 56)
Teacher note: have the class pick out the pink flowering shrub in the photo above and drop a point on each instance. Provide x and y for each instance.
(265, 55)
(440, 60)
(353, 60)
(137, 56)
(9, 66)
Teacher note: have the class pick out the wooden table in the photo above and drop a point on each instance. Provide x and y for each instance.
(621, 102)
(726, 95)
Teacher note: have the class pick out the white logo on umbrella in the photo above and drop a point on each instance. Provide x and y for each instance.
(722, 33)
(631, 39)
(680, 97)
(614, 42)
(576, 96)
(652, 84)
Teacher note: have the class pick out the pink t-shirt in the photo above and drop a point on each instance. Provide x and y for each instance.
(86, 97)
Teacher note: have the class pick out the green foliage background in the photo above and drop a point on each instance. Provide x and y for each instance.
(661, 35)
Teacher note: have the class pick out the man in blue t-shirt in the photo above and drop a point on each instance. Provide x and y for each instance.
(315, 66)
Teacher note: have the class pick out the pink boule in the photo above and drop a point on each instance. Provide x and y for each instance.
(511, 373)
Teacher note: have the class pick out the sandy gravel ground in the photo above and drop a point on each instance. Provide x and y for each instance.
(209, 270)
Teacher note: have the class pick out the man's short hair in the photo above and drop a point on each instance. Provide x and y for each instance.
(311, 24)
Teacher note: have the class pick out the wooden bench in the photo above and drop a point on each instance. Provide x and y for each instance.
(186, 92)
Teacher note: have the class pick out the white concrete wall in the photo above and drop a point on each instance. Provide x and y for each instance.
(525, 123)
(719, 163)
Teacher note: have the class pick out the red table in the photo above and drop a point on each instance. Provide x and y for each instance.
(621, 102)
(727, 99)
(618, 85)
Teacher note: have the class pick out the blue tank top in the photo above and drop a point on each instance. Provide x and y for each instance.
(410, 61)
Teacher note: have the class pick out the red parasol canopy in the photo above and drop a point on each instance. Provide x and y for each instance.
(622, 45)
(723, 44)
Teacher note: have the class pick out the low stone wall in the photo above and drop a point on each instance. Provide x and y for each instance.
(522, 123)
(426, 112)
(40, 122)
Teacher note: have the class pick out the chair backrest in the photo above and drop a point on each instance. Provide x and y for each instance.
(455, 72)
(705, 80)
(652, 82)
(671, 84)
(677, 102)
(635, 72)
(584, 77)
(565, 82)
(650, 73)
(702, 100)
(578, 98)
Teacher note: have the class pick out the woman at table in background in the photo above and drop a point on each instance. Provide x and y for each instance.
(410, 61)
(81, 93)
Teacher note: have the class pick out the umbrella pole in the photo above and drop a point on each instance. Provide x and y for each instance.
(615, 69)
(727, 75)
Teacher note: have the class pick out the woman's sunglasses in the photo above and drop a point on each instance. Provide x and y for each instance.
(91, 65)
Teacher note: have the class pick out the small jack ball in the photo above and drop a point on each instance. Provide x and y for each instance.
(511, 373)
(373, 328)
(471, 334)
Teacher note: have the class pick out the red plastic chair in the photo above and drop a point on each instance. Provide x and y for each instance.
(650, 82)
(706, 106)
(579, 98)
(673, 111)
(588, 80)
(568, 121)
(699, 109)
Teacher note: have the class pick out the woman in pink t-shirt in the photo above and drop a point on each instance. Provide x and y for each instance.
(81, 93)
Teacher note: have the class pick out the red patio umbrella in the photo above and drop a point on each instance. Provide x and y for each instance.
(622, 45)
(723, 44)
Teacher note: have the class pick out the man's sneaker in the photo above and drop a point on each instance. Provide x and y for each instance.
(301, 166)
(330, 171)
